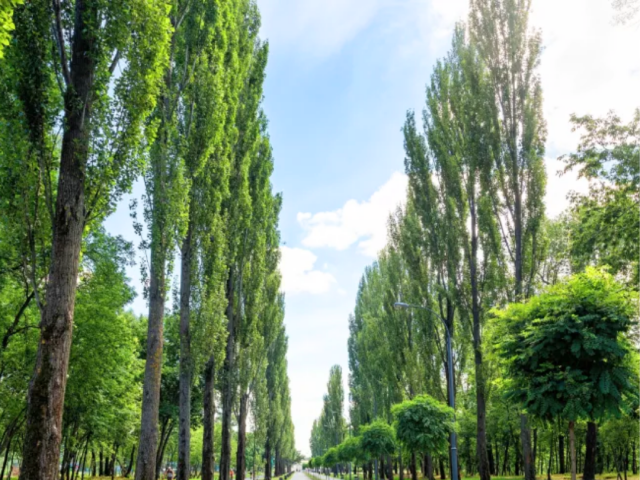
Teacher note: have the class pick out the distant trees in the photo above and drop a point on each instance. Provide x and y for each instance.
(329, 430)
(421, 425)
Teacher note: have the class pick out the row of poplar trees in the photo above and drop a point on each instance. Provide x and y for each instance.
(95, 95)
(473, 236)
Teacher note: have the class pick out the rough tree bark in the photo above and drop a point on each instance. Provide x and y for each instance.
(131, 459)
(481, 430)
(267, 458)
(41, 451)
(241, 461)
(148, 445)
(228, 388)
(527, 456)
(590, 452)
(184, 429)
(208, 460)
(572, 449)
(6, 458)
(492, 463)
(561, 453)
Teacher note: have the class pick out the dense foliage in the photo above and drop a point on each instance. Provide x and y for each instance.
(95, 96)
(423, 424)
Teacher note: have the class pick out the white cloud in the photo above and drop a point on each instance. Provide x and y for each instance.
(298, 274)
(364, 223)
(589, 65)
(559, 187)
(322, 27)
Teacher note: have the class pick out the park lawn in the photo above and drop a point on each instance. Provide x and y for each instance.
(557, 476)
(215, 477)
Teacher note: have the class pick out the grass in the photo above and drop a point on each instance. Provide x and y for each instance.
(558, 476)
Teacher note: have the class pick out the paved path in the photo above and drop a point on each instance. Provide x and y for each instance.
(299, 476)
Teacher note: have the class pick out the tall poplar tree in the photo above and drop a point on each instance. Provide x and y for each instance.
(167, 190)
(237, 213)
(213, 27)
(511, 52)
(462, 142)
(102, 115)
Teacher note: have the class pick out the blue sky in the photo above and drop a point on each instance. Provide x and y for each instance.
(341, 76)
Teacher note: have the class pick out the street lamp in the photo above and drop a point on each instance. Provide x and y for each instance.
(452, 402)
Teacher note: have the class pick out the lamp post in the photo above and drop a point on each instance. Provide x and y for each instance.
(452, 402)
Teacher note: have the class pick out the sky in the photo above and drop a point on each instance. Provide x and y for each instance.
(341, 76)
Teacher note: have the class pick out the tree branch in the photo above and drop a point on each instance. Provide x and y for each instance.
(60, 42)
(12, 329)
(114, 62)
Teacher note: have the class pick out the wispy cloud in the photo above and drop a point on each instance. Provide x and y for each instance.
(316, 27)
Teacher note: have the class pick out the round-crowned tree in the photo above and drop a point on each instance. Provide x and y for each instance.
(423, 424)
(567, 353)
(330, 458)
(377, 439)
(350, 450)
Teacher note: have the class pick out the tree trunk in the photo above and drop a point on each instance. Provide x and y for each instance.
(208, 460)
(441, 466)
(481, 430)
(184, 429)
(164, 440)
(561, 452)
(428, 465)
(241, 461)
(113, 461)
(64, 463)
(626, 461)
(505, 460)
(590, 453)
(527, 458)
(550, 458)
(148, 444)
(84, 458)
(572, 449)
(492, 463)
(45, 400)
(228, 383)
(130, 466)
(535, 449)
(101, 463)
(267, 458)
(6, 458)
(413, 466)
